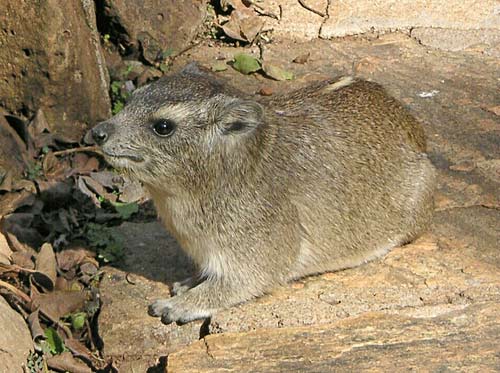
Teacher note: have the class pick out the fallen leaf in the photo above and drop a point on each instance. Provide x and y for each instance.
(85, 190)
(62, 284)
(54, 168)
(71, 258)
(14, 156)
(10, 202)
(39, 132)
(65, 362)
(80, 350)
(54, 341)
(132, 191)
(59, 303)
(98, 189)
(23, 259)
(5, 180)
(78, 320)
(126, 210)
(108, 179)
(277, 73)
(245, 63)
(219, 66)
(83, 164)
(26, 235)
(243, 25)
(46, 267)
(18, 246)
(5, 250)
(36, 329)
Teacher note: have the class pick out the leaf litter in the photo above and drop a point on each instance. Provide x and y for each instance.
(58, 206)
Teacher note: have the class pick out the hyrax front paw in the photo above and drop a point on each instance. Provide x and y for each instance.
(173, 310)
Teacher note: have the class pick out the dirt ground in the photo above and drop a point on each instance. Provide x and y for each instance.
(431, 305)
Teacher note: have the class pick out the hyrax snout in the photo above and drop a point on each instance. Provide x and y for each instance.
(325, 178)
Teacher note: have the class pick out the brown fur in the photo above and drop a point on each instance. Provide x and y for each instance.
(325, 178)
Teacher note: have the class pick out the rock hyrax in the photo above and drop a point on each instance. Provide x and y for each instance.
(325, 178)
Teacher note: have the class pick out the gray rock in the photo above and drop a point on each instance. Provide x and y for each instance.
(15, 339)
(155, 26)
(57, 66)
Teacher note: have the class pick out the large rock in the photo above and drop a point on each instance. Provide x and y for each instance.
(154, 26)
(356, 17)
(50, 58)
(15, 339)
(310, 19)
(465, 340)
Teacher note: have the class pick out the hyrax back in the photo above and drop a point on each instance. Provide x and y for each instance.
(257, 194)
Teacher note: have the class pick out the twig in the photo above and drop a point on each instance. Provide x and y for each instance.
(304, 5)
(75, 150)
(15, 290)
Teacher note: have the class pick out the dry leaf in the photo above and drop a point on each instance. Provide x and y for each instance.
(35, 327)
(59, 303)
(10, 202)
(23, 259)
(5, 180)
(65, 362)
(39, 132)
(71, 258)
(276, 73)
(13, 151)
(80, 350)
(98, 189)
(18, 246)
(132, 192)
(46, 267)
(108, 179)
(25, 235)
(5, 250)
(54, 168)
(243, 25)
(83, 164)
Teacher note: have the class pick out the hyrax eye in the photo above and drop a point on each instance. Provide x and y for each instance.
(163, 127)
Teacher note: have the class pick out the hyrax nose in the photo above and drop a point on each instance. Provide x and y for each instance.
(100, 133)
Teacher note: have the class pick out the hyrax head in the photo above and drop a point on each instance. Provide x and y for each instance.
(177, 126)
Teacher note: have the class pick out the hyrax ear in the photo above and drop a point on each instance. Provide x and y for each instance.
(239, 116)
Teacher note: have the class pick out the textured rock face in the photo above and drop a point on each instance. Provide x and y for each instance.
(57, 65)
(15, 339)
(309, 19)
(372, 342)
(155, 26)
(349, 18)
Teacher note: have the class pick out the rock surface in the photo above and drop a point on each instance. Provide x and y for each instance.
(15, 339)
(430, 304)
(154, 26)
(56, 66)
(350, 18)
(126, 294)
(309, 19)
(371, 342)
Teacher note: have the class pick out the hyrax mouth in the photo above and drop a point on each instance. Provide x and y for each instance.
(124, 157)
